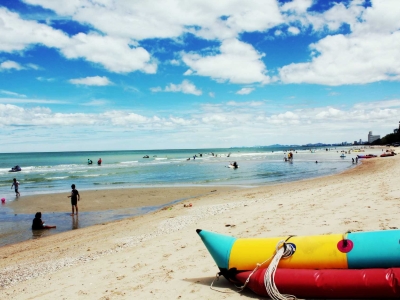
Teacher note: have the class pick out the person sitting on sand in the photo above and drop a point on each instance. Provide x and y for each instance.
(38, 224)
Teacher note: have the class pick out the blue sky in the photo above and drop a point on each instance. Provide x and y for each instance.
(126, 74)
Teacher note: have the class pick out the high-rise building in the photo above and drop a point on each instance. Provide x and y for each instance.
(372, 137)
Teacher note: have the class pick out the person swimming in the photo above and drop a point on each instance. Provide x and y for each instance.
(234, 165)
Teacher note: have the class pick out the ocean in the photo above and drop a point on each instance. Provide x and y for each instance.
(54, 172)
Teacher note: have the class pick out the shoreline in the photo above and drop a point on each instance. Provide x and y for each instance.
(160, 254)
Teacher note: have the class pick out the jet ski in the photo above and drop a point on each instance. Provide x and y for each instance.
(15, 169)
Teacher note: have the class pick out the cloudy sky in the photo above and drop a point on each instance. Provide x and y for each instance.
(151, 74)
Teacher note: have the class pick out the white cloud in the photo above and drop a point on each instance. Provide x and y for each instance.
(174, 62)
(230, 112)
(12, 94)
(95, 80)
(45, 79)
(211, 94)
(245, 91)
(96, 102)
(9, 64)
(247, 121)
(245, 104)
(237, 62)
(298, 6)
(115, 54)
(293, 30)
(30, 100)
(349, 60)
(17, 34)
(395, 103)
(156, 89)
(150, 19)
(33, 66)
(296, 12)
(185, 87)
(367, 54)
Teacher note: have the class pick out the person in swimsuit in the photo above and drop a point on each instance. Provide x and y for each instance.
(16, 185)
(75, 197)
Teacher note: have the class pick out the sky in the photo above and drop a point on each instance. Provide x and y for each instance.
(87, 75)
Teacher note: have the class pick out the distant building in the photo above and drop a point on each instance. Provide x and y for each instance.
(397, 130)
(372, 137)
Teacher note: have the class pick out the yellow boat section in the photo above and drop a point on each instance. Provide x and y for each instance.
(312, 252)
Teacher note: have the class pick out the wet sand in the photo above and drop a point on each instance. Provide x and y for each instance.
(160, 256)
(99, 200)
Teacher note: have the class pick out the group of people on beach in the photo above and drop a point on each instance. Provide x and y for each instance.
(39, 224)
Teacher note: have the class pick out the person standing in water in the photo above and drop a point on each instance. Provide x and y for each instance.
(75, 197)
(15, 184)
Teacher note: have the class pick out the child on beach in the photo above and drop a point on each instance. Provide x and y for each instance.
(75, 197)
(16, 185)
(38, 224)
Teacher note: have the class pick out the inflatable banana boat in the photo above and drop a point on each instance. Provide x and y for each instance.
(357, 265)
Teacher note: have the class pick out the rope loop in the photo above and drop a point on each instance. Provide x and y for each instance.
(283, 250)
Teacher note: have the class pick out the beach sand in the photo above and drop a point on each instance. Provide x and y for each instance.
(160, 256)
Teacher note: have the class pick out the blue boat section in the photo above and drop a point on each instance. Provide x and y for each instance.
(218, 245)
(374, 249)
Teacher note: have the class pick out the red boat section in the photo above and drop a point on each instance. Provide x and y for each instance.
(329, 283)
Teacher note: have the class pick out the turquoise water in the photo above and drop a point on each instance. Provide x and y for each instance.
(55, 172)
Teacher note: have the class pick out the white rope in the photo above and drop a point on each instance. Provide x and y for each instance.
(214, 289)
(241, 288)
(272, 290)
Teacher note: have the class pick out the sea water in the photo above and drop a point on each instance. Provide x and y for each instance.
(54, 172)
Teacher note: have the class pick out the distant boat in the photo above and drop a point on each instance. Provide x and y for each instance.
(367, 156)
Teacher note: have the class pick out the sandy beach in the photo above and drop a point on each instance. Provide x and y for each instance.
(160, 256)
